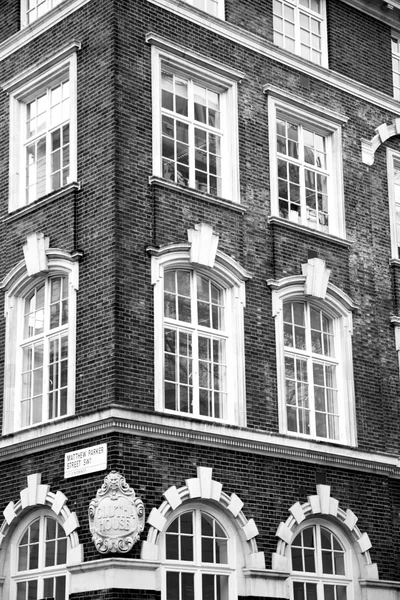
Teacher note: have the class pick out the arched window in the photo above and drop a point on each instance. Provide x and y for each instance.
(199, 558)
(44, 352)
(321, 564)
(40, 342)
(311, 364)
(314, 361)
(38, 570)
(195, 340)
(199, 338)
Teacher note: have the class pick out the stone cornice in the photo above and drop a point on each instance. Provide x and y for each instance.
(261, 46)
(158, 426)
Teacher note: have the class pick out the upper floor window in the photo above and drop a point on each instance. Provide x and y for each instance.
(33, 9)
(321, 565)
(306, 167)
(396, 66)
(199, 345)
(40, 344)
(311, 365)
(314, 358)
(393, 165)
(43, 134)
(198, 558)
(39, 570)
(195, 339)
(195, 127)
(212, 7)
(300, 27)
(44, 350)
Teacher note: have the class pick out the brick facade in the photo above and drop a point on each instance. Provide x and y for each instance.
(116, 214)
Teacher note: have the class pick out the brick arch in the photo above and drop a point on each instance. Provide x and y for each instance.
(324, 505)
(38, 495)
(203, 487)
(383, 133)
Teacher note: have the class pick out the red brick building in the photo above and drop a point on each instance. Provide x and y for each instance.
(200, 282)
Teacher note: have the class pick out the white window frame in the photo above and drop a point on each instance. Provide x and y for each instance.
(396, 65)
(350, 560)
(392, 156)
(40, 573)
(21, 285)
(203, 5)
(234, 291)
(288, 106)
(324, 35)
(336, 307)
(24, 88)
(48, 6)
(232, 569)
(200, 70)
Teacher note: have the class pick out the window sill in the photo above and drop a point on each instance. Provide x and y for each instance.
(192, 193)
(325, 236)
(40, 202)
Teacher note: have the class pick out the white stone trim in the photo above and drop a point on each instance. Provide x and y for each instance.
(193, 57)
(27, 34)
(22, 88)
(261, 46)
(317, 277)
(391, 156)
(281, 222)
(231, 276)
(338, 306)
(323, 506)
(199, 68)
(110, 572)
(157, 426)
(383, 133)
(33, 494)
(16, 284)
(317, 110)
(328, 124)
(35, 253)
(199, 486)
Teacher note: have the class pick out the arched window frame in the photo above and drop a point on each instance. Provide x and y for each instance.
(42, 572)
(36, 498)
(352, 568)
(197, 567)
(18, 284)
(230, 277)
(338, 306)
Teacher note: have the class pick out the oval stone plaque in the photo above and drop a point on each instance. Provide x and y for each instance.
(116, 516)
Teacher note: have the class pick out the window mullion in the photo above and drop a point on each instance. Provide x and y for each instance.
(297, 43)
(195, 345)
(48, 139)
(303, 217)
(310, 371)
(191, 133)
(46, 352)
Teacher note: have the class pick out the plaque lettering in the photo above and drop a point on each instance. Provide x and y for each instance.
(116, 516)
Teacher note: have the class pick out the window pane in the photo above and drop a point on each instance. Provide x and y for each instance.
(171, 547)
(173, 586)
